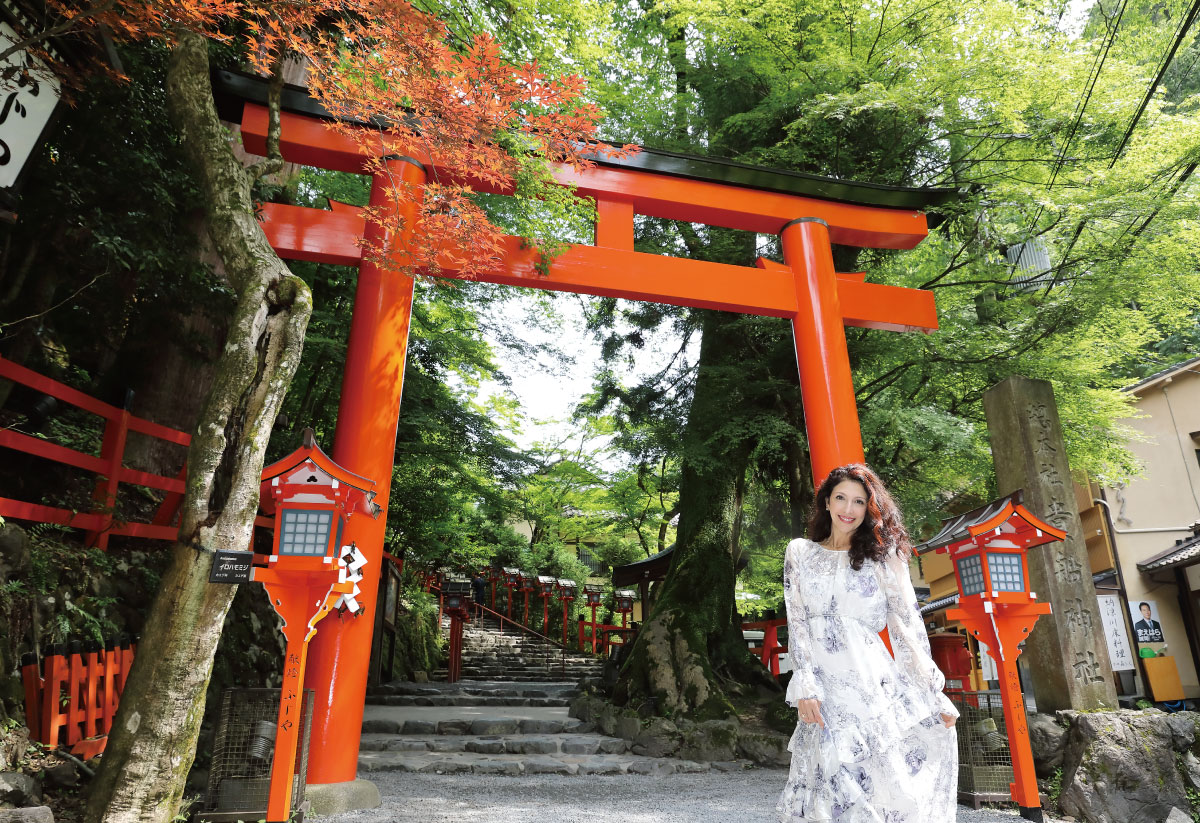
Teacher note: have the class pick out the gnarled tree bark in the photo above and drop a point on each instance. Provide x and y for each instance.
(152, 744)
(690, 653)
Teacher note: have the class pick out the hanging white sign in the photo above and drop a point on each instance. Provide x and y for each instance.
(1112, 618)
(28, 94)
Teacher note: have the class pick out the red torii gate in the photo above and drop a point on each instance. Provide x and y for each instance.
(807, 212)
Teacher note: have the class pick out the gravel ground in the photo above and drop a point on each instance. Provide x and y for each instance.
(745, 797)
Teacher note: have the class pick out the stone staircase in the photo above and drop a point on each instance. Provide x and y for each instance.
(491, 655)
(508, 714)
(483, 727)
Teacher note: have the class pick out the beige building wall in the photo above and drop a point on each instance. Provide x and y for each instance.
(1152, 512)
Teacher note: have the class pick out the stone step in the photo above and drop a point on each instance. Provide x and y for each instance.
(440, 675)
(481, 688)
(478, 725)
(463, 700)
(497, 743)
(516, 764)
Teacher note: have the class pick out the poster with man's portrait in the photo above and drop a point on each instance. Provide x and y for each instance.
(1146, 627)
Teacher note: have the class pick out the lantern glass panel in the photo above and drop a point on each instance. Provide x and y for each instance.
(970, 572)
(304, 532)
(1007, 571)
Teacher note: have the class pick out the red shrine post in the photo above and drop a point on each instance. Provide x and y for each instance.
(988, 547)
(546, 587)
(309, 573)
(458, 603)
(807, 212)
(566, 593)
(512, 580)
(594, 593)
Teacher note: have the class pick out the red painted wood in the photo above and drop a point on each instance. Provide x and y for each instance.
(614, 224)
(51, 451)
(295, 233)
(826, 384)
(112, 452)
(31, 680)
(309, 141)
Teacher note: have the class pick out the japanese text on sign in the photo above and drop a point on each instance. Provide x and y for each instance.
(1112, 620)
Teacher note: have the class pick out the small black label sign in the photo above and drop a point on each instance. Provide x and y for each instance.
(230, 567)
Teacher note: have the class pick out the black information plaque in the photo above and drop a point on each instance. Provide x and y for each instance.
(230, 567)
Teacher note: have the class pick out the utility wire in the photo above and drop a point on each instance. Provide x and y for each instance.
(1098, 64)
(1183, 30)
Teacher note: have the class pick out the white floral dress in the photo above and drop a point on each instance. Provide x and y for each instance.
(884, 755)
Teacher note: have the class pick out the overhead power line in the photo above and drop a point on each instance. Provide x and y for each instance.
(1162, 70)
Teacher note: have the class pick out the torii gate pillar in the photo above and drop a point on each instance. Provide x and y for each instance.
(365, 443)
(826, 384)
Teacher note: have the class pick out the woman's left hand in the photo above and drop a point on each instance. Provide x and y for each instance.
(948, 720)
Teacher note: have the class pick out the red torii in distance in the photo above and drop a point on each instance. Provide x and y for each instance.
(808, 213)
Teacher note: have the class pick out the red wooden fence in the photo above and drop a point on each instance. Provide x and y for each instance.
(108, 465)
(72, 700)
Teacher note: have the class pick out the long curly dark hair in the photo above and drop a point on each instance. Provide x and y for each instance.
(882, 529)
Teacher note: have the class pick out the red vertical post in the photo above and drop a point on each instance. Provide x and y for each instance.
(566, 604)
(31, 679)
(525, 614)
(76, 681)
(770, 644)
(92, 713)
(287, 724)
(826, 384)
(112, 452)
(454, 666)
(1024, 788)
(546, 614)
(365, 443)
(112, 665)
(57, 674)
(593, 629)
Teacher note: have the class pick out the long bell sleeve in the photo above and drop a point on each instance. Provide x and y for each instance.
(804, 684)
(909, 642)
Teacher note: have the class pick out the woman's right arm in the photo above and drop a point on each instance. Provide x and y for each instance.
(803, 685)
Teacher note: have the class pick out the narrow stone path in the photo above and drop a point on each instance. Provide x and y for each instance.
(715, 797)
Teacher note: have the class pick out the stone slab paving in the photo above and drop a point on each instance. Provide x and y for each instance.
(713, 797)
(400, 714)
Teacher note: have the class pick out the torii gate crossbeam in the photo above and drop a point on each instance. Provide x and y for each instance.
(808, 213)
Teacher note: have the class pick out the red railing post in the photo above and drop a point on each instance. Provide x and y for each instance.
(90, 692)
(77, 680)
(112, 452)
(112, 665)
(31, 679)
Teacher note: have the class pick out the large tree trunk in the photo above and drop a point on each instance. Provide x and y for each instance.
(150, 750)
(690, 652)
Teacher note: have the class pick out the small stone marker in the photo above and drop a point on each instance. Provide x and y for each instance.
(1067, 653)
(230, 567)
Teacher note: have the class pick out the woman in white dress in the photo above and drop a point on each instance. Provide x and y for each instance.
(875, 741)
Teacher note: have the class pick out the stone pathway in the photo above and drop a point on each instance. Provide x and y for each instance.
(714, 797)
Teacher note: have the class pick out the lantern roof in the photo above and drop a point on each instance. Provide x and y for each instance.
(310, 452)
(545, 578)
(1013, 526)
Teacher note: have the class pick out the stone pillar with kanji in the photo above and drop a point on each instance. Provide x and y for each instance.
(1067, 656)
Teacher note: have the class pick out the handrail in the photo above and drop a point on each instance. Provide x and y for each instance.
(562, 654)
(108, 465)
